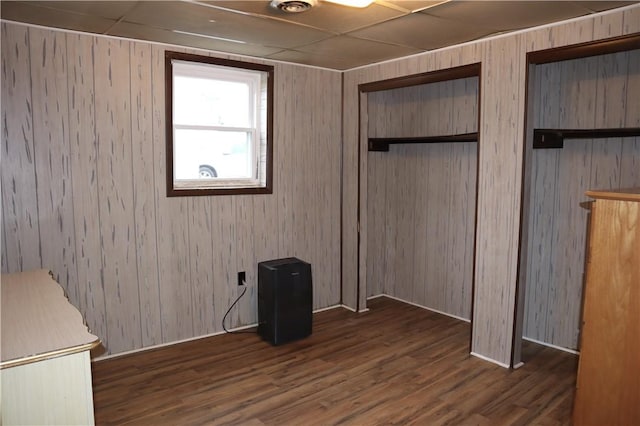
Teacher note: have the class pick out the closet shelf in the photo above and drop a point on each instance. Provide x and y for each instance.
(554, 138)
(382, 144)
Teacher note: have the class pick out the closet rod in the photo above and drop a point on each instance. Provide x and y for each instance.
(382, 144)
(554, 138)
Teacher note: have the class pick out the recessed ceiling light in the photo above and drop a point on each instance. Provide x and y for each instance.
(352, 3)
(293, 6)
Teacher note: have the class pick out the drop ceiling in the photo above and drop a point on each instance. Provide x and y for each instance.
(328, 35)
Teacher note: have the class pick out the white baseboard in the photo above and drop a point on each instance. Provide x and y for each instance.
(328, 308)
(217, 333)
(484, 358)
(163, 345)
(420, 306)
(560, 348)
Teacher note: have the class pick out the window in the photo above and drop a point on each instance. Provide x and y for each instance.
(219, 115)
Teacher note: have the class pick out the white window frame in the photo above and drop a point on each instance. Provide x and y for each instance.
(259, 78)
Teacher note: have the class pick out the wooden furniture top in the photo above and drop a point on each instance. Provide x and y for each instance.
(628, 194)
(38, 322)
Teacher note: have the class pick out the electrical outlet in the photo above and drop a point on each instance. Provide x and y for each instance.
(241, 278)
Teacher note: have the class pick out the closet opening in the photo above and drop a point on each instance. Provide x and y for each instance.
(582, 131)
(417, 177)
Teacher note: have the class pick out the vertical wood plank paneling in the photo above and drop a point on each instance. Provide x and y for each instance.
(52, 157)
(629, 159)
(544, 177)
(284, 162)
(299, 215)
(144, 182)
(587, 93)
(426, 257)
(323, 156)
(83, 143)
(577, 110)
(93, 184)
(332, 144)
(630, 163)
(441, 196)
(223, 239)
(349, 167)
(405, 217)
(19, 202)
(246, 259)
(632, 105)
(543, 194)
(302, 168)
(171, 225)
(201, 265)
(611, 90)
(461, 229)
(469, 203)
(376, 209)
(393, 201)
(152, 269)
(498, 224)
(362, 203)
(421, 199)
(607, 25)
(267, 234)
(562, 35)
(463, 197)
(435, 269)
(415, 164)
(306, 189)
(568, 244)
(502, 103)
(631, 20)
(115, 186)
(379, 247)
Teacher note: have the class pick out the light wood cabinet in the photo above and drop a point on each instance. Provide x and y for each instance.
(608, 384)
(45, 368)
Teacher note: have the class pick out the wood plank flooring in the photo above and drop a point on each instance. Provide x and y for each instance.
(396, 364)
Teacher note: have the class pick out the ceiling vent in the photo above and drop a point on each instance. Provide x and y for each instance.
(293, 6)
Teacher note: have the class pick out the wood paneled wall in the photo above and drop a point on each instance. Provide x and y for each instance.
(421, 198)
(596, 92)
(83, 190)
(500, 165)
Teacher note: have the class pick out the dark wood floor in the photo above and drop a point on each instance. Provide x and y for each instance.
(394, 364)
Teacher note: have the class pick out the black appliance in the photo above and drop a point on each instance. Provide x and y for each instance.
(285, 299)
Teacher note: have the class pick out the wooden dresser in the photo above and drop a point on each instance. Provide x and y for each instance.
(608, 384)
(45, 368)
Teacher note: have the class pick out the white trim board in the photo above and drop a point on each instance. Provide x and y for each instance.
(420, 306)
(217, 333)
(549, 345)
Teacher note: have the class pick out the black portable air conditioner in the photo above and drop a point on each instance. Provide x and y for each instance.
(285, 298)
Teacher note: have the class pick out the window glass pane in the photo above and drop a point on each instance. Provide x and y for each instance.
(211, 154)
(201, 101)
(219, 114)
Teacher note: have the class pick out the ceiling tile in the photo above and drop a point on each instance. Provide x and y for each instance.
(423, 32)
(413, 5)
(598, 6)
(328, 35)
(104, 9)
(140, 32)
(358, 50)
(325, 16)
(45, 16)
(506, 15)
(198, 19)
(314, 59)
